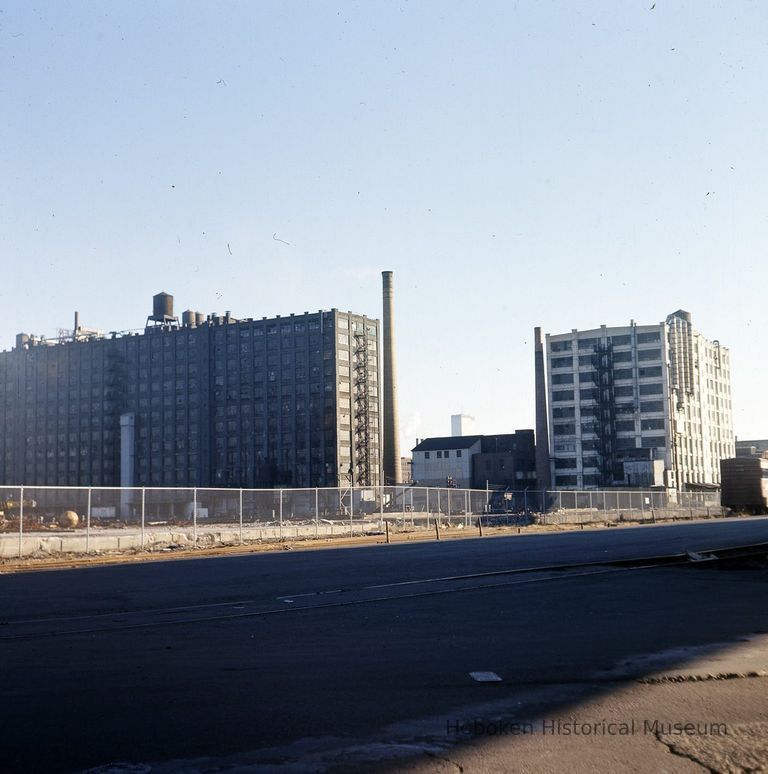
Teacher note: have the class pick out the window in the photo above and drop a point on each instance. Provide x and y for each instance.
(648, 338)
(621, 341)
(562, 362)
(650, 406)
(560, 346)
(439, 455)
(588, 343)
(562, 395)
(622, 373)
(650, 371)
(649, 354)
(562, 378)
(458, 452)
(566, 480)
(564, 429)
(565, 464)
(651, 389)
(625, 425)
(654, 442)
(446, 454)
(564, 413)
(652, 424)
(426, 455)
(622, 357)
(626, 391)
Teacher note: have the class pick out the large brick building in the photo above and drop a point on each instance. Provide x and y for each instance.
(210, 401)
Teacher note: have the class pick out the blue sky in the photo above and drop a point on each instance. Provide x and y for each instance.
(515, 164)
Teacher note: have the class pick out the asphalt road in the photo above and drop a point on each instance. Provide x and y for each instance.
(267, 656)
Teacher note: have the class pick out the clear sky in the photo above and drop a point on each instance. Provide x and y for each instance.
(562, 164)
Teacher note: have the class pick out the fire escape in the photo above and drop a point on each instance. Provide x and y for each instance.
(362, 456)
(605, 421)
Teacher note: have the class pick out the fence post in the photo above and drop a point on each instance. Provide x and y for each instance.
(449, 507)
(281, 514)
(351, 508)
(21, 524)
(427, 506)
(525, 501)
(317, 512)
(402, 504)
(241, 516)
(381, 506)
(467, 501)
(88, 524)
(143, 511)
(194, 515)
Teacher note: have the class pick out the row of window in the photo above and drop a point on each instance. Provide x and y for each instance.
(615, 341)
(443, 454)
(619, 391)
(648, 372)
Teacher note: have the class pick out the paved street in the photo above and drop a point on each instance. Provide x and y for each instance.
(299, 656)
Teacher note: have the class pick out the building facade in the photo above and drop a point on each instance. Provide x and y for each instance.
(213, 401)
(638, 405)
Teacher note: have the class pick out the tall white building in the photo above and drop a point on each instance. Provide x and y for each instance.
(462, 424)
(639, 405)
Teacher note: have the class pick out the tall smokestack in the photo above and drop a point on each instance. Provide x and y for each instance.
(391, 450)
(542, 417)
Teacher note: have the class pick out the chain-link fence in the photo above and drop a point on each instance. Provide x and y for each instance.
(39, 520)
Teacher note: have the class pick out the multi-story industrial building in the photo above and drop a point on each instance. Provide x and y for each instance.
(639, 405)
(210, 401)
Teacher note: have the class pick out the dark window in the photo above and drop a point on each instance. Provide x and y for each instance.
(648, 338)
(458, 452)
(622, 373)
(654, 442)
(565, 429)
(649, 406)
(565, 464)
(649, 354)
(568, 412)
(562, 378)
(566, 480)
(620, 341)
(624, 425)
(562, 362)
(622, 357)
(626, 391)
(560, 346)
(650, 371)
(651, 389)
(652, 424)
(587, 343)
(559, 396)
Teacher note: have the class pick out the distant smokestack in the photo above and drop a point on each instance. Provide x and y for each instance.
(542, 417)
(392, 469)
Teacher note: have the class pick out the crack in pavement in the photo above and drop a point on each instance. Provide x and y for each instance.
(671, 749)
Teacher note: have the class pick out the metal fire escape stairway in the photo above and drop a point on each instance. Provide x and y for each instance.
(362, 457)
